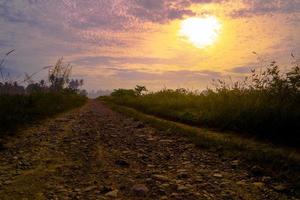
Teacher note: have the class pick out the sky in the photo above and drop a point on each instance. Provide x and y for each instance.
(122, 43)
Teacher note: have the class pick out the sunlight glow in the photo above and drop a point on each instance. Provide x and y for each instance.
(201, 31)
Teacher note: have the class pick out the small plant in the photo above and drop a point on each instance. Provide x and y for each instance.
(59, 75)
(4, 77)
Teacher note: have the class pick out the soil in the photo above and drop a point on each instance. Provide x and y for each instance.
(95, 153)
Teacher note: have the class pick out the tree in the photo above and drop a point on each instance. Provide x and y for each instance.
(140, 89)
(74, 84)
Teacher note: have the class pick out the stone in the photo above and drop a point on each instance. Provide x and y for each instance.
(186, 163)
(241, 183)
(161, 192)
(235, 163)
(280, 188)
(259, 185)
(122, 163)
(150, 139)
(77, 190)
(183, 175)
(181, 170)
(140, 190)
(105, 189)
(197, 194)
(149, 180)
(8, 182)
(161, 178)
(166, 141)
(62, 190)
(198, 179)
(87, 189)
(266, 179)
(182, 188)
(178, 182)
(217, 175)
(113, 194)
(174, 195)
(140, 125)
(165, 186)
(164, 198)
(257, 170)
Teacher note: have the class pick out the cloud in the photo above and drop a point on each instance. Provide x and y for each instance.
(180, 76)
(158, 11)
(241, 70)
(122, 14)
(116, 61)
(79, 14)
(113, 36)
(263, 7)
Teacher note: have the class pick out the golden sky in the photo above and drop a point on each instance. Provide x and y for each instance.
(121, 43)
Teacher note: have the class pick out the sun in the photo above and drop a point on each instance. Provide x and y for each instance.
(201, 31)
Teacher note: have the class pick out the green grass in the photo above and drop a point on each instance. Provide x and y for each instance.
(283, 164)
(17, 110)
(253, 113)
(256, 113)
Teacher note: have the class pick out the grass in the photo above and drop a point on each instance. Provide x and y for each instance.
(22, 103)
(264, 105)
(18, 110)
(253, 113)
(280, 163)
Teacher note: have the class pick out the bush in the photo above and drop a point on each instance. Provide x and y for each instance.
(123, 93)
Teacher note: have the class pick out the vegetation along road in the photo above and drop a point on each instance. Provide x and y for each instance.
(95, 153)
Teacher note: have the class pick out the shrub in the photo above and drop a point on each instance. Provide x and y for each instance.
(123, 93)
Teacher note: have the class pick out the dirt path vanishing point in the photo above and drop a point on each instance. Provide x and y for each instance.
(96, 153)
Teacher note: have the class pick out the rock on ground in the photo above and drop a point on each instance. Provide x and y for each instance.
(96, 153)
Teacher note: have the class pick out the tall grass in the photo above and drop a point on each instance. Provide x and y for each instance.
(16, 110)
(22, 104)
(266, 104)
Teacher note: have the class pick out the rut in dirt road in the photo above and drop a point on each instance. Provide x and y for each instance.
(95, 153)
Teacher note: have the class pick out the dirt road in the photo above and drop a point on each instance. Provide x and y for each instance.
(96, 153)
